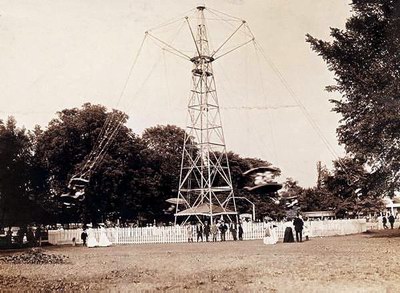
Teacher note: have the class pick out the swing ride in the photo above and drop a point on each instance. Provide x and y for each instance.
(80, 180)
(205, 184)
(205, 188)
(263, 180)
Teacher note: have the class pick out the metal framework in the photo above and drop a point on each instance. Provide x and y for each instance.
(205, 184)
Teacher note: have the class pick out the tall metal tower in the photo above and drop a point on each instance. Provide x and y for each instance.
(205, 184)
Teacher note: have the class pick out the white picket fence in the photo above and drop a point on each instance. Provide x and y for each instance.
(178, 234)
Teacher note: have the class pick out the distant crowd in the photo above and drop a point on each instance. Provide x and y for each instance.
(388, 218)
(17, 237)
(203, 232)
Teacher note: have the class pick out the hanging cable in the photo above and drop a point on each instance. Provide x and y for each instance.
(169, 46)
(234, 49)
(131, 69)
(308, 116)
(223, 13)
(227, 22)
(113, 122)
(173, 20)
(269, 116)
(109, 119)
(227, 40)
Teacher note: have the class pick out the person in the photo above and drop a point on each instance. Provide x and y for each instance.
(190, 233)
(104, 241)
(306, 230)
(9, 237)
(84, 236)
(38, 235)
(214, 232)
(298, 227)
(207, 230)
(384, 221)
(223, 228)
(270, 236)
(199, 232)
(20, 237)
(91, 239)
(288, 236)
(30, 236)
(391, 221)
(262, 178)
(233, 230)
(240, 230)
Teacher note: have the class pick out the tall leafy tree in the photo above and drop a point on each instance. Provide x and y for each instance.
(123, 182)
(15, 171)
(351, 188)
(164, 145)
(265, 204)
(365, 59)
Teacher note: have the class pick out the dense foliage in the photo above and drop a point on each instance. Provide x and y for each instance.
(138, 174)
(15, 173)
(131, 183)
(365, 59)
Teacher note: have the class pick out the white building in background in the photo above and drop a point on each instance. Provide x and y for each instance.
(319, 215)
(393, 204)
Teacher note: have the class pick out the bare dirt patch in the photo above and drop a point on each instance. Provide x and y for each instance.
(357, 263)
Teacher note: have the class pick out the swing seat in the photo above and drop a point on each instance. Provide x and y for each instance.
(79, 181)
(293, 203)
(65, 195)
(262, 169)
(77, 195)
(265, 188)
(80, 193)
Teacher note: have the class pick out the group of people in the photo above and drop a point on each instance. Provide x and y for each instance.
(88, 238)
(30, 236)
(389, 219)
(298, 224)
(204, 231)
(213, 230)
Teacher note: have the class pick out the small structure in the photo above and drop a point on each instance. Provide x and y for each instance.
(206, 209)
(319, 214)
(392, 204)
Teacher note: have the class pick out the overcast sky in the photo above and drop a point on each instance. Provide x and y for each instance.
(56, 54)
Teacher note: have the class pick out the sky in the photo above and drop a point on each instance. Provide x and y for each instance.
(57, 54)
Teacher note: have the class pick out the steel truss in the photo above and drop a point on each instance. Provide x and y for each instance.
(205, 184)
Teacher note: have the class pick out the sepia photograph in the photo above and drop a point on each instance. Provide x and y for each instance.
(199, 146)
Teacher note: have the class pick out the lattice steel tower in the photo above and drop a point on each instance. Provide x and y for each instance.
(205, 186)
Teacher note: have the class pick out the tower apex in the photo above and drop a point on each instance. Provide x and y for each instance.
(201, 7)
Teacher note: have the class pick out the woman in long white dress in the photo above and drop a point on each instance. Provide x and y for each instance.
(91, 239)
(270, 236)
(104, 241)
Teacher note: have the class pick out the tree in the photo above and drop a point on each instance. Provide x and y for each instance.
(15, 172)
(365, 58)
(314, 199)
(291, 189)
(124, 182)
(352, 187)
(265, 204)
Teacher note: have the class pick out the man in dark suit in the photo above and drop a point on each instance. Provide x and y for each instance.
(391, 221)
(199, 231)
(223, 228)
(207, 230)
(298, 227)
